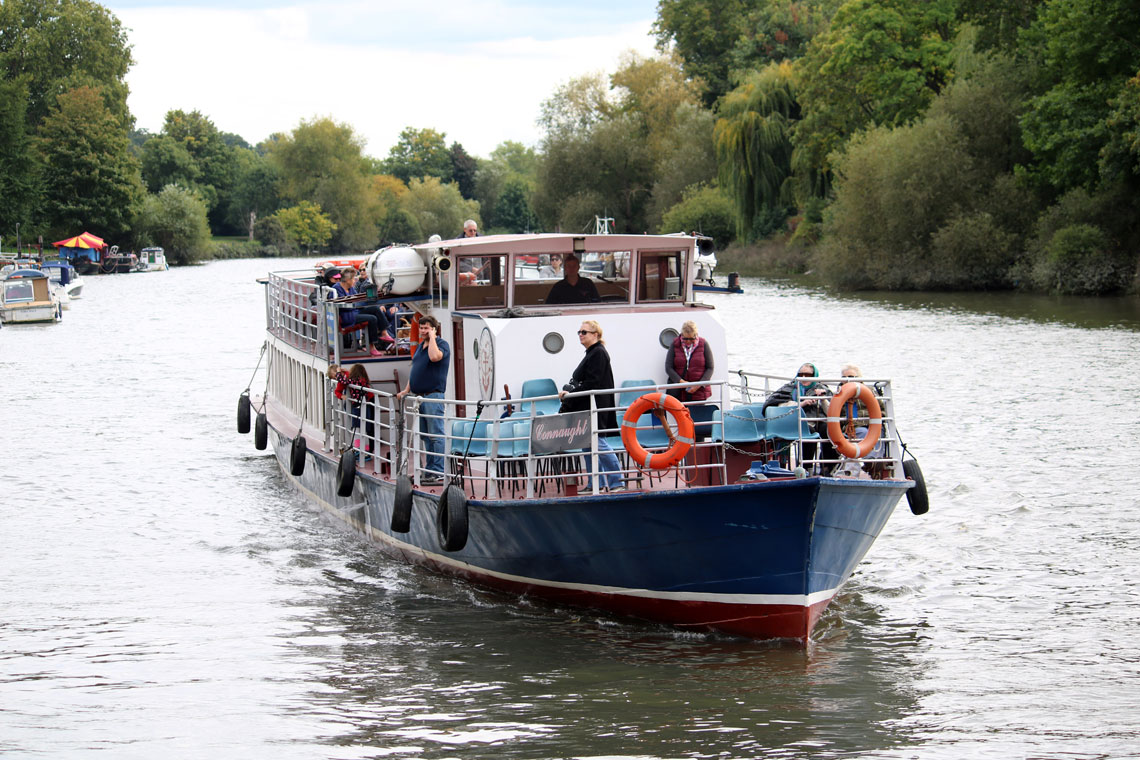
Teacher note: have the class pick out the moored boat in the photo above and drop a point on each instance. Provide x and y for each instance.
(26, 295)
(729, 520)
(151, 260)
(65, 279)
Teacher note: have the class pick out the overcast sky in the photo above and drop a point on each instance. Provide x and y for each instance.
(476, 70)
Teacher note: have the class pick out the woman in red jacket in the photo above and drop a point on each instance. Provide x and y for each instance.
(689, 360)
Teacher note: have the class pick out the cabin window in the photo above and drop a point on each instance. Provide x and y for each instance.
(482, 281)
(16, 292)
(536, 275)
(660, 275)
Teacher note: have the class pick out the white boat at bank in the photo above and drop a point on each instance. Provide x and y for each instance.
(27, 295)
(151, 260)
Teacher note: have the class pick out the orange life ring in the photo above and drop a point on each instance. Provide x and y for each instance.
(682, 442)
(844, 445)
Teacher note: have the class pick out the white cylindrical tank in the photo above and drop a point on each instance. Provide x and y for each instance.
(401, 265)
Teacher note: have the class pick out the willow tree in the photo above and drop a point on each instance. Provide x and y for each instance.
(752, 142)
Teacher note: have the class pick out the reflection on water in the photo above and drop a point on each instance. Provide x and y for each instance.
(166, 593)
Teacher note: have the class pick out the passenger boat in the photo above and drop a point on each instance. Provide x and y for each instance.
(151, 260)
(730, 520)
(27, 295)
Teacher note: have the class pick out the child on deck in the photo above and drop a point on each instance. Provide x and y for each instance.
(355, 382)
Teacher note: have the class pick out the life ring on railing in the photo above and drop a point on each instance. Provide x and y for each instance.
(844, 445)
(682, 442)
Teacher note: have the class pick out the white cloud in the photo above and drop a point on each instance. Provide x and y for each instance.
(255, 72)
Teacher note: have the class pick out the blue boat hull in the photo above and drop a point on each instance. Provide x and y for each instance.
(760, 559)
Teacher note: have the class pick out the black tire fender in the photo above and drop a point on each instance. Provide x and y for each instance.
(297, 456)
(917, 496)
(451, 519)
(402, 505)
(346, 473)
(261, 432)
(243, 413)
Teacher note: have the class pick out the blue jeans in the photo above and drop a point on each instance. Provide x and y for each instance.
(432, 426)
(611, 477)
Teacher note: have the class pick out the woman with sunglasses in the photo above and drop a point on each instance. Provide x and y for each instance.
(689, 360)
(594, 373)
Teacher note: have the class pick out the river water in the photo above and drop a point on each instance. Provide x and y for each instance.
(164, 592)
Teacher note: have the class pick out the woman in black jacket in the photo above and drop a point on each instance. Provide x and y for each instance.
(594, 373)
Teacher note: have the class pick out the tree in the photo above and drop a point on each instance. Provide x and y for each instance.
(306, 225)
(514, 213)
(704, 33)
(19, 173)
(704, 209)
(166, 161)
(1086, 62)
(753, 145)
(508, 161)
(254, 194)
(576, 107)
(57, 46)
(175, 219)
(419, 153)
(91, 180)
(438, 208)
(654, 88)
(322, 162)
(880, 62)
(687, 159)
(463, 169)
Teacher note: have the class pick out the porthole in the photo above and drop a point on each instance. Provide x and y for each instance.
(475, 348)
(668, 335)
(553, 343)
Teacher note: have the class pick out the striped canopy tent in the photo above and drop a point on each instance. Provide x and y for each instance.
(87, 245)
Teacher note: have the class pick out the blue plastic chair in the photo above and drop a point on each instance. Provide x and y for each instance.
(740, 426)
(461, 431)
(628, 397)
(782, 423)
(543, 386)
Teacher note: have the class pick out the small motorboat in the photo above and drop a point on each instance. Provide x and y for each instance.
(65, 279)
(152, 260)
(27, 295)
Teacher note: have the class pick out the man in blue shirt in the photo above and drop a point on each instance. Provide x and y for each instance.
(428, 379)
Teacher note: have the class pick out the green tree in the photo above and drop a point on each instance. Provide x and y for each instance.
(419, 153)
(175, 218)
(306, 225)
(687, 159)
(894, 190)
(254, 194)
(91, 180)
(56, 46)
(322, 162)
(704, 209)
(753, 145)
(880, 63)
(1086, 62)
(508, 161)
(166, 161)
(463, 170)
(704, 33)
(438, 208)
(577, 106)
(514, 213)
(19, 178)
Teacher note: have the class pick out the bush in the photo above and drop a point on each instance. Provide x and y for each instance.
(895, 188)
(704, 209)
(175, 219)
(269, 231)
(970, 252)
(1078, 261)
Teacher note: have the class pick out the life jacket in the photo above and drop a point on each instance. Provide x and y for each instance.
(693, 369)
